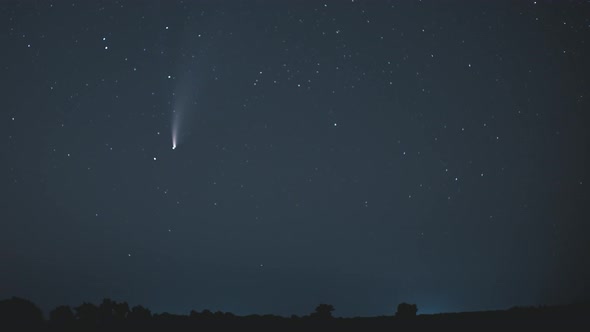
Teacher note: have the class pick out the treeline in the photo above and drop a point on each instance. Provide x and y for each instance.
(21, 314)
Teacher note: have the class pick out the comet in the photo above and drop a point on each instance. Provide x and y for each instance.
(175, 126)
(183, 109)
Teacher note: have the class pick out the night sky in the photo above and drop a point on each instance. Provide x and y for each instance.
(356, 153)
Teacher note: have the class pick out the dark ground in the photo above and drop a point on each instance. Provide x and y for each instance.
(19, 314)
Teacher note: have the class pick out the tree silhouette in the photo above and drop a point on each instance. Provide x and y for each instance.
(20, 311)
(323, 311)
(194, 314)
(62, 315)
(120, 311)
(87, 313)
(207, 314)
(405, 310)
(106, 312)
(110, 311)
(139, 313)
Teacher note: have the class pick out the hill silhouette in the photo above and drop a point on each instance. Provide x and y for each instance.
(20, 314)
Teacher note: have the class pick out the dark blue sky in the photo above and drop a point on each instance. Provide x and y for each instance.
(357, 153)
